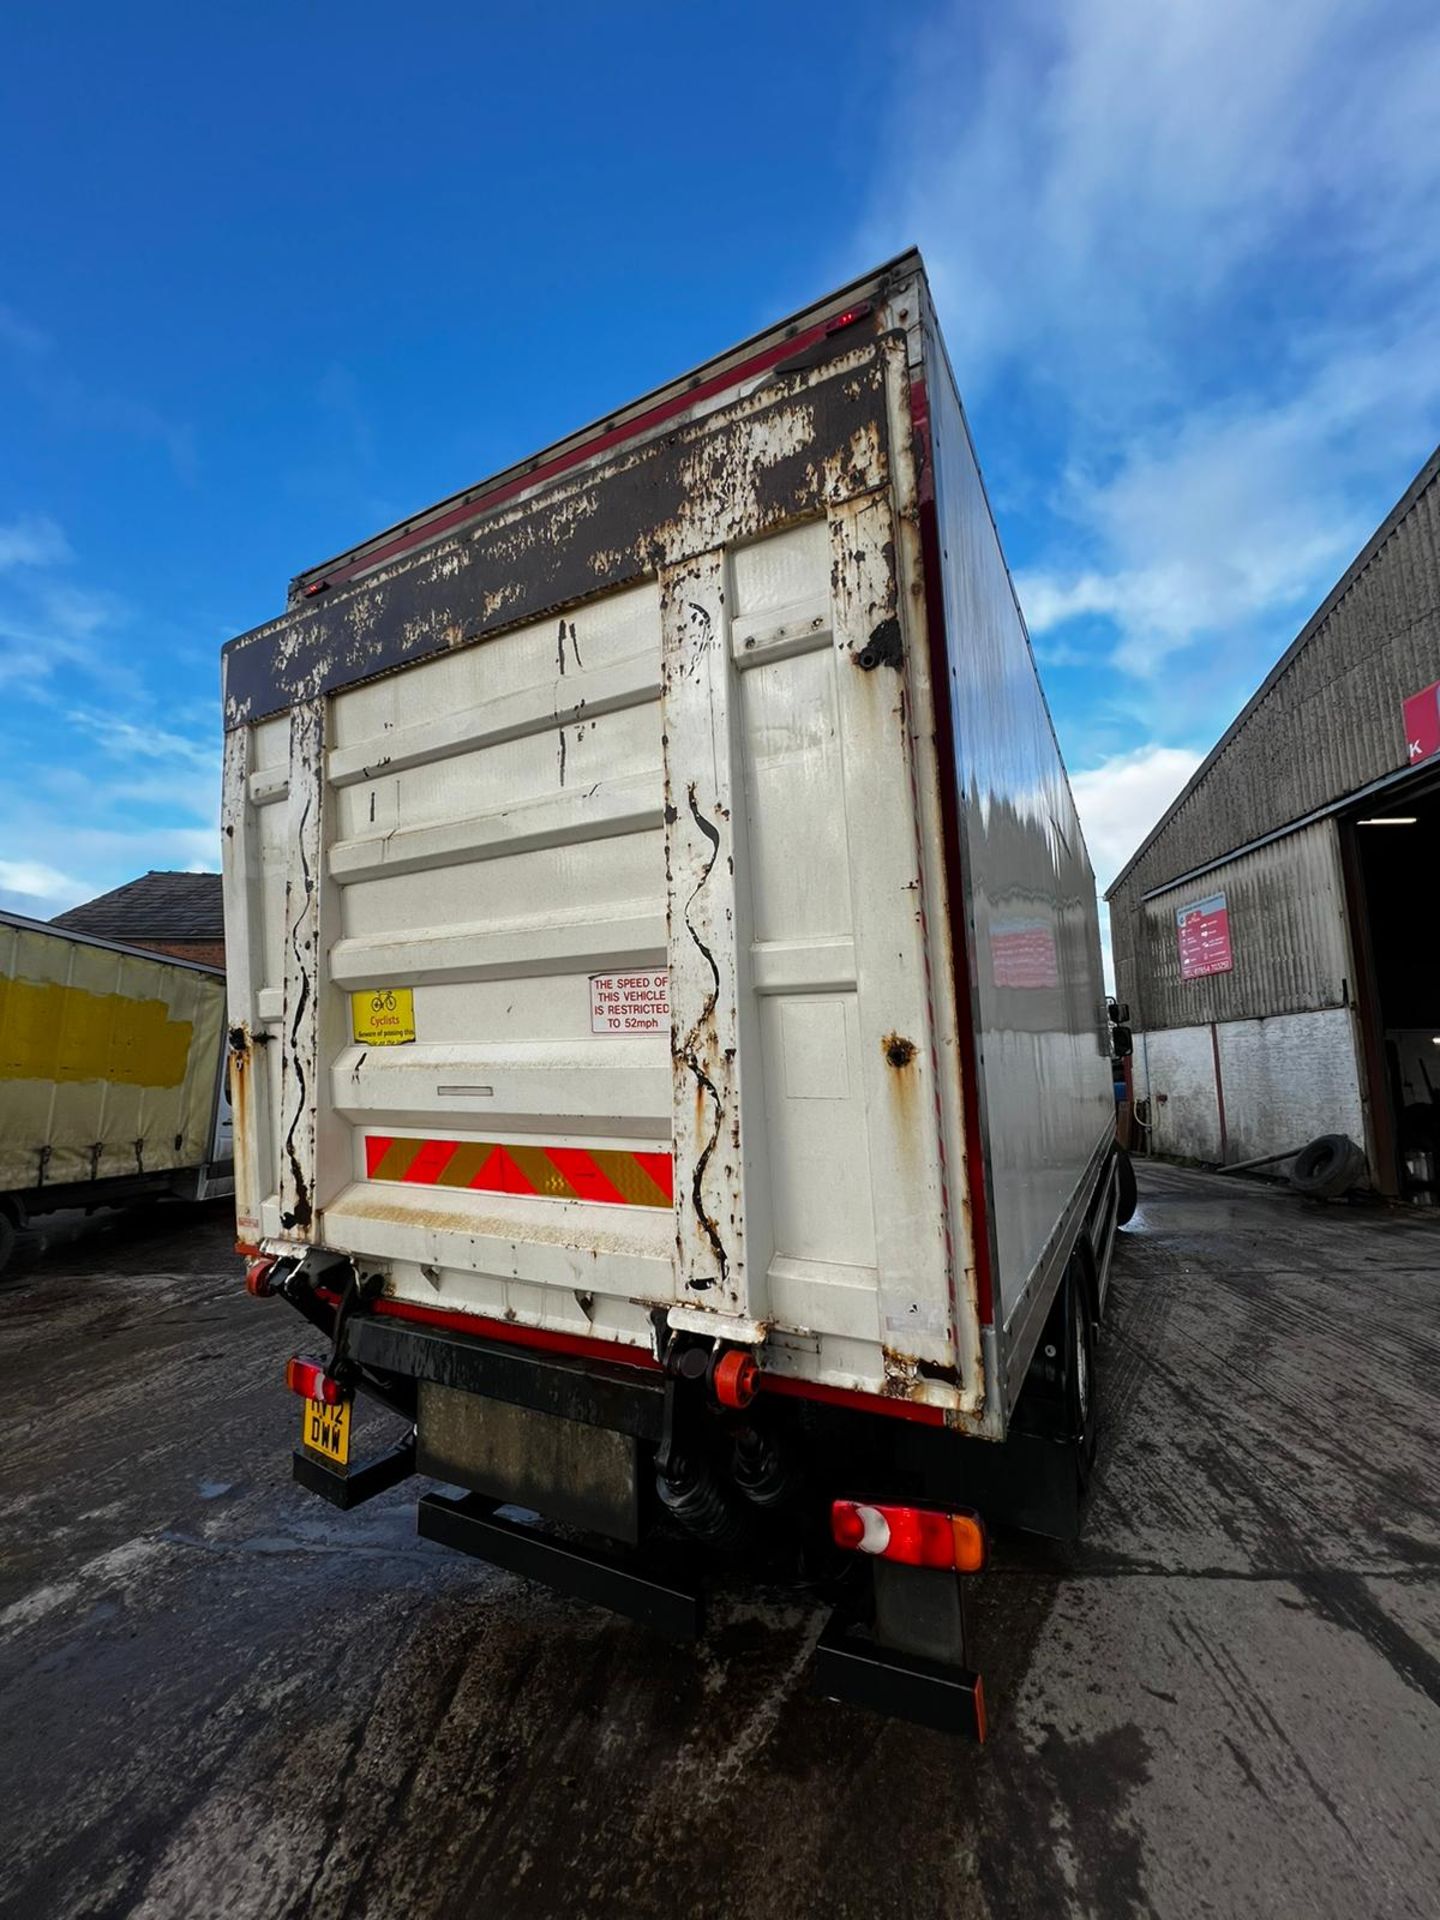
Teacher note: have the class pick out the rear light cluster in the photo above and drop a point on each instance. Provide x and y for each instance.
(915, 1536)
(310, 1380)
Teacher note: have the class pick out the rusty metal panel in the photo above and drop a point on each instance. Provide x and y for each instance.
(244, 922)
(898, 1063)
(1329, 718)
(1290, 946)
(734, 475)
(713, 1175)
(804, 334)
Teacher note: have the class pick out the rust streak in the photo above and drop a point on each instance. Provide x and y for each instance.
(301, 1214)
(690, 1052)
(898, 1051)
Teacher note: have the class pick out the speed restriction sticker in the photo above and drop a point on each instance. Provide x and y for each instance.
(630, 1002)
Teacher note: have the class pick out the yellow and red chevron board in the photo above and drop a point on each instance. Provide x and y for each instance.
(609, 1175)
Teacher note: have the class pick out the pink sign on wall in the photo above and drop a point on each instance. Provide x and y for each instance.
(1422, 724)
(1204, 928)
(1022, 953)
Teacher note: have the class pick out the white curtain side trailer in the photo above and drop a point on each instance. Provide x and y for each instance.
(112, 1075)
(669, 1049)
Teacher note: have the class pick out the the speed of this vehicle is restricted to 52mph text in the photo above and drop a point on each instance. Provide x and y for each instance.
(630, 1002)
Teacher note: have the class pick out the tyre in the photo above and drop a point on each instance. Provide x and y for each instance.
(7, 1240)
(1059, 1395)
(1080, 1371)
(1328, 1167)
(1127, 1198)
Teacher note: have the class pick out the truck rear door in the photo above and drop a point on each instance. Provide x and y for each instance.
(606, 937)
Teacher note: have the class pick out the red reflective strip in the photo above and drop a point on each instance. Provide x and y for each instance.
(501, 1175)
(429, 1163)
(611, 1177)
(584, 1176)
(661, 1169)
(541, 1338)
(856, 1402)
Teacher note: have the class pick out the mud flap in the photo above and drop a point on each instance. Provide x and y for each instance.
(851, 1666)
(1031, 1484)
(352, 1488)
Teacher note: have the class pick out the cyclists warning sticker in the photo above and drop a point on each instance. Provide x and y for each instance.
(383, 1016)
(630, 1002)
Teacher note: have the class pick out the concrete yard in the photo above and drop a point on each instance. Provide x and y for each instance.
(218, 1697)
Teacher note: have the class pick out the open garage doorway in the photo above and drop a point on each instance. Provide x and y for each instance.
(1392, 854)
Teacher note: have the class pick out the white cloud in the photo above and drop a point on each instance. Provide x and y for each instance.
(1189, 252)
(1120, 800)
(17, 334)
(53, 626)
(1232, 515)
(1088, 180)
(121, 793)
(132, 740)
(39, 882)
(32, 540)
(69, 861)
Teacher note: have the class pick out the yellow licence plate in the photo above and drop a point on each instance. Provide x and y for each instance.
(326, 1430)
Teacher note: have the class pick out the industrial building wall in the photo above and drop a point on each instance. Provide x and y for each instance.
(1285, 903)
(1329, 718)
(1262, 1056)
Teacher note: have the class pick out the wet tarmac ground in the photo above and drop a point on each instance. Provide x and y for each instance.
(219, 1697)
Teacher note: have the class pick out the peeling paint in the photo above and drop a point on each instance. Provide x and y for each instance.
(689, 1049)
(730, 475)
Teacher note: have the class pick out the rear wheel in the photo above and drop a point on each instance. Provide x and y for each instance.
(7, 1240)
(1080, 1371)
(1059, 1398)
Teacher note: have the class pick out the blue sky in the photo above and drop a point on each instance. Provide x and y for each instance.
(271, 278)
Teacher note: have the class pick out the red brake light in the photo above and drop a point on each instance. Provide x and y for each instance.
(913, 1536)
(310, 1380)
(849, 316)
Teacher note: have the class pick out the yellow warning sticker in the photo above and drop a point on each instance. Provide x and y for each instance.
(383, 1016)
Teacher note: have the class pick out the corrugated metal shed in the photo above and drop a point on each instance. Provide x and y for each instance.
(1326, 724)
(1287, 933)
(1327, 719)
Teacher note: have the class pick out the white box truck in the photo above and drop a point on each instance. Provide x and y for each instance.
(112, 1076)
(669, 1051)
